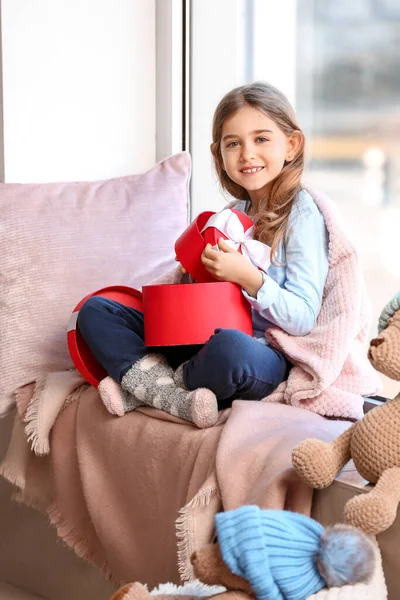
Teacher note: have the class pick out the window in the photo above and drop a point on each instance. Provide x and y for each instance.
(347, 99)
(335, 62)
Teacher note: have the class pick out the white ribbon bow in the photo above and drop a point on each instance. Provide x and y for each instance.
(229, 224)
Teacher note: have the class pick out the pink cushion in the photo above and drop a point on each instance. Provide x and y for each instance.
(61, 241)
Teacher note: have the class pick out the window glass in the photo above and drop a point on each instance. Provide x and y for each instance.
(337, 62)
(347, 99)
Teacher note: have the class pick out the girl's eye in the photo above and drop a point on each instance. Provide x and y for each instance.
(232, 144)
(261, 139)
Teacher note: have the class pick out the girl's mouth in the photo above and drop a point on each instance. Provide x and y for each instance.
(251, 170)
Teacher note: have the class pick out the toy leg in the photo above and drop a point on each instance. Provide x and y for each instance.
(132, 591)
(318, 462)
(375, 511)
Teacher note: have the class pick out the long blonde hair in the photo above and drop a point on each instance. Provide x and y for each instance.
(271, 220)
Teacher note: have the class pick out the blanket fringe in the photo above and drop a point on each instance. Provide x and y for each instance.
(21, 400)
(64, 530)
(32, 418)
(202, 498)
(67, 533)
(22, 497)
(40, 443)
(74, 396)
(12, 477)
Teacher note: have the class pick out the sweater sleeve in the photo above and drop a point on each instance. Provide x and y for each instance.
(294, 305)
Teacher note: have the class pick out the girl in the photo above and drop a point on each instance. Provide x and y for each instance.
(258, 152)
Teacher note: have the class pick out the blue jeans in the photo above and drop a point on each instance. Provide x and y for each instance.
(232, 364)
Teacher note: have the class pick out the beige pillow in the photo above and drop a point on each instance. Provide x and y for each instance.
(61, 241)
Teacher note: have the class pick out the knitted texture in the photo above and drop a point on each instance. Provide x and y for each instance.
(273, 549)
(319, 462)
(376, 511)
(331, 371)
(178, 377)
(374, 445)
(150, 382)
(112, 396)
(384, 351)
(388, 312)
(210, 569)
(375, 449)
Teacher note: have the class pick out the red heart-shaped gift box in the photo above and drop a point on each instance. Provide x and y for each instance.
(191, 243)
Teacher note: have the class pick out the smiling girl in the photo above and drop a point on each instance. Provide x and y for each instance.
(258, 151)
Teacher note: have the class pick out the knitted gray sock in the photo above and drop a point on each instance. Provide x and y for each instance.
(178, 377)
(150, 382)
(116, 400)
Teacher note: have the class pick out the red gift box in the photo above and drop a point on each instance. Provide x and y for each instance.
(180, 314)
(191, 243)
(175, 314)
(82, 358)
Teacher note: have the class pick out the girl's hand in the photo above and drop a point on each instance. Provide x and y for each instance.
(229, 265)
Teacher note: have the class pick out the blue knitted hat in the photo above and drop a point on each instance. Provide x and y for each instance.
(388, 312)
(274, 550)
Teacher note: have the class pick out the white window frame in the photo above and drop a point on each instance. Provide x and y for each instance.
(205, 48)
(170, 77)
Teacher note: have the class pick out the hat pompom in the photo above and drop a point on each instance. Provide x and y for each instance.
(345, 556)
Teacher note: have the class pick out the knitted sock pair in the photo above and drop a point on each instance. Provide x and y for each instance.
(152, 382)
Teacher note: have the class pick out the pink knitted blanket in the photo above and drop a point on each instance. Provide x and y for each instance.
(331, 370)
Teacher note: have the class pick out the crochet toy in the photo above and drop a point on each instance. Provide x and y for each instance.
(278, 555)
(373, 443)
(384, 350)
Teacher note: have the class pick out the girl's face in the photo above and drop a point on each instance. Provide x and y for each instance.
(254, 149)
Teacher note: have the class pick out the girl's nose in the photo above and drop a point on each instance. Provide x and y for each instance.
(248, 152)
